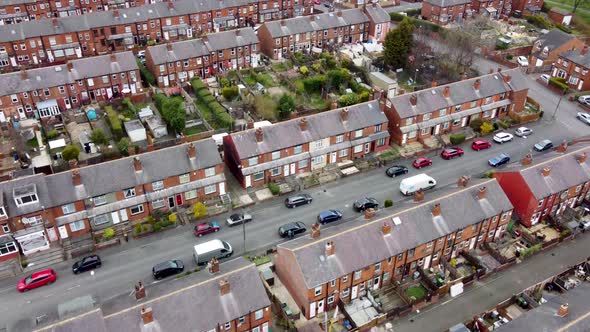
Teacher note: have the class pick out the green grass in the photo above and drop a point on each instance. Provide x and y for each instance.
(416, 292)
(250, 80)
(258, 260)
(194, 130)
(283, 66)
(579, 13)
(390, 154)
(33, 143)
(265, 79)
(585, 5)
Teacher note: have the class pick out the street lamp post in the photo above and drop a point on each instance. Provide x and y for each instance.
(244, 234)
(558, 102)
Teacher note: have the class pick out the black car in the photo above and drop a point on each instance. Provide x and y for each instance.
(291, 229)
(168, 268)
(296, 200)
(86, 264)
(396, 170)
(543, 145)
(329, 216)
(365, 203)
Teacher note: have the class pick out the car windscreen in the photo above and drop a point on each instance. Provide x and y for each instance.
(225, 245)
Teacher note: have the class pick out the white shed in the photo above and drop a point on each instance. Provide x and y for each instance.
(135, 131)
(156, 126)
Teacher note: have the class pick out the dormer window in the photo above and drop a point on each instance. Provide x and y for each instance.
(25, 195)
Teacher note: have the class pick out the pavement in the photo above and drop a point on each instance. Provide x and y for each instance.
(124, 265)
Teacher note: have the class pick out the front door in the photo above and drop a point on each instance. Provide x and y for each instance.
(320, 306)
(179, 199)
(115, 217)
(354, 293)
(63, 232)
(124, 216)
(427, 262)
(293, 168)
(437, 129)
(312, 309)
(333, 158)
(265, 327)
(286, 170)
(51, 234)
(376, 282)
(248, 181)
(367, 147)
(171, 201)
(221, 188)
(472, 243)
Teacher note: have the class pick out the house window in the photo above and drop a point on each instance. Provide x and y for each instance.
(378, 128)
(381, 141)
(411, 252)
(209, 172)
(429, 245)
(159, 203)
(227, 326)
(456, 122)
(241, 321)
(68, 208)
(318, 291)
(330, 299)
(184, 178)
(136, 209)
(158, 185)
(258, 314)
(435, 256)
(298, 149)
(578, 188)
(129, 192)
(378, 267)
(442, 112)
(491, 233)
(7, 248)
(343, 153)
(333, 283)
(385, 276)
(191, 194)
(275, 171)
(276, 155)
(357, 274)
(358, 148)
(426, 117)
(459, 233)
(258, 176)
(253, 161)
(99, 220)
(5, 228)
(409, 121)
(77, 226)
(358, 133)
(504, 216)
(424, 131)
(345, 292)
(210, 189)
(27, 199)
(100, 200)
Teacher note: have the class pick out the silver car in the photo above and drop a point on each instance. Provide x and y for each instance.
(238, 218)
(523, 131)
(584, 117)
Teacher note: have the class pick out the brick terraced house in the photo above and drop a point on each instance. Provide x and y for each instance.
(263, 155)
(442, 109)
(548, 47)
(345, 261)
(548, 184)
(59, 39)
(574, 67)
(178, 62)
(443, 12)
(41, 209)
(45, 92)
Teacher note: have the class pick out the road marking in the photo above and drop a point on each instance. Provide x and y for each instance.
(6, 289)
(73, 287)
(574, 322)
(49, 295)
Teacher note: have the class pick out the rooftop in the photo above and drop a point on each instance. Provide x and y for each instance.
(581, 57)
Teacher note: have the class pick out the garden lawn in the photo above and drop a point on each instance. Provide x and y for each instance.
(194, 130)
(417, 292)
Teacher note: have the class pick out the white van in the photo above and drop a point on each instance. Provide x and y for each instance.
(204, 252)
(417, 182)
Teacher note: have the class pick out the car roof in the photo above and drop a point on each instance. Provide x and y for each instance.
(480, 141)
(545, 141)
(331, 212)
(41, 273)
(163, 265)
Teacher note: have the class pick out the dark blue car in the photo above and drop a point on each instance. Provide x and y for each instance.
(329, 216)
(498, 160)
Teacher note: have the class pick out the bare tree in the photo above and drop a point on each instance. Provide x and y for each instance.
(577, 3)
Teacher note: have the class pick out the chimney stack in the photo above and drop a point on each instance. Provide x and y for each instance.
(259, 135)
(283, 23)
(386, 228)
(433, 84)
(584, 51)
(563, 310)
(139, 291)
(223, 286)
(507, 78)
(113, 58)
(413, 100)
(527, 160)
(76, 178)
(147, 315)
(463, 76)
(170, 4)
(250, 124)
(339, 13)
(477, 84)
(116, 13)
(344, 114)
(303, 124)
(546, 171)
(481, 193)
(499, 69)
(191, 151)
(24, 74)
(436, 210)
(312, 18)
(446, 92)
(55, 22)
(582, 157)
(70, 66)
(137, 164)
(213, 265)
(369, 213)
(315, 231)
(491, 70)
(463, 181)
(330, 248)
(562, 147)
(418, 196)
(169, 47)
(73, 164)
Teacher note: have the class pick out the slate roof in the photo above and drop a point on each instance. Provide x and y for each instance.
(566, 171)
(544, 318)
(432, 99)
(447, 3)
(288, 133)
(192, 303)
(560, 11)
(552, 40)
(377, 14)
(110, 176)
(15, 2)
(362, 243)
(320, 22)
(47, 77)
(576, 56)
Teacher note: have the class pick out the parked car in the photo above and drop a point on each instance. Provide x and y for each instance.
(167, 268)
(317, 2)
(503, 137)
(422, 162)
(585, 100)
(296, 200)
(329, 216)
(584, 117)
(218, 249)
(543, 145)
(523, 131)
(37, 279)
(365, 203)
(206, 228)
(499, 160)
(328, 5)
(545, 78)
(450, 153)
(481, 144)
(410, 185)
(238, 218)
(522, 61)
(396, 170)
(141, 54)
(292, 229)
(86, 264)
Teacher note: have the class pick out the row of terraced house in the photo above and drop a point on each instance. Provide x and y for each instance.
(445, 12)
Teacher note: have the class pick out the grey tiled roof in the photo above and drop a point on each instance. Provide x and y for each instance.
(377, 14)
(560, 11)
(362, 243)
(110, 176)
(447, 3)
(566, 171)
(320, 22)
(552, 40)
(15, 2)
(288, 133)
(576, 56)
(47, 77)
(197, 47)
(432, 99)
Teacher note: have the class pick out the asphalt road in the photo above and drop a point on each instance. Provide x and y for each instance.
(129, 263)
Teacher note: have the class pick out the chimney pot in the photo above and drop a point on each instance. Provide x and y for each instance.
(116, 13)
(546, 171)
(70, 66)
(477, 84)
(582, 157)
(447, 92)
(386, 228)
(76, 179)
(463, 76)
(250, 124)
(224, 287)
(507, 78)
(563, 310)
(481, 193)
(137, 164)
(169, 47)
(433, 84)
(418, 196)
(24, 74)
(436, 210)
(527, 160)
(312, 18)
(330, 248)
(147, 315)
(303, 124)
(191, 151)
(491, 70)
(170, 4)
(499, 70)
(113, 58)
(562, 147)
(339, 13)
(369, 213)
(413, 100)
(259, 135)
(463, 181)
(283, 23)
(584, 51)
(237, 32)
(344, 114)
(213, 265)
(315, 231)
(139, 291)
(55, 22)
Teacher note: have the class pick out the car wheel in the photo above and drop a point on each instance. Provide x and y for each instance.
(49, 282)
(25, 290)
(199, 235)
(309, 201)
(98, 265)
(76, 272)
(216, 230)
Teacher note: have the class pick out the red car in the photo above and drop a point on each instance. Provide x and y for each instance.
(37, 279)
(206, 228)
(422, 162)
(317, 2)
(451, 153)
(481, 144)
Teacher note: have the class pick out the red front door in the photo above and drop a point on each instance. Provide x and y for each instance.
(179, 199)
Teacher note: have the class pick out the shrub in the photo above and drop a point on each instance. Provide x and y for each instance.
(212, 110)
(145, 228)
(224, 82)
(486, 128)
(172, 111)
(558, 82)
(151, 220)
(286, 106)
(199, 210)
(137, 229)
(70, 152)
(157, 226)
(274, 188)
(539, 21)
(304, 70)
(146, 75)
(229, 93)
(172, 218)
(564, 28)
(52, 134)
(123, 146)
(457, 138)
(488, 174)
(348, 99)
(114, 122)
(509, 57)
(565, 232)
(98, 137)
(388, 203)
(108, 234)
(453, 262)
(475, 124)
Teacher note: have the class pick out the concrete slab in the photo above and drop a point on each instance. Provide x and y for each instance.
(244, 200)
(263, 194)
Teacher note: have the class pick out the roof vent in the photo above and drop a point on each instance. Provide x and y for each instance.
(124, 15)
(396, 221)
(496, 76)
(57, 68)
(433, 92)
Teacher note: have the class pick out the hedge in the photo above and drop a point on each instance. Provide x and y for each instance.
(211, 109)
(397, 17)
(457, 138)
(558, 82)
(147, 75)
(114, 122)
